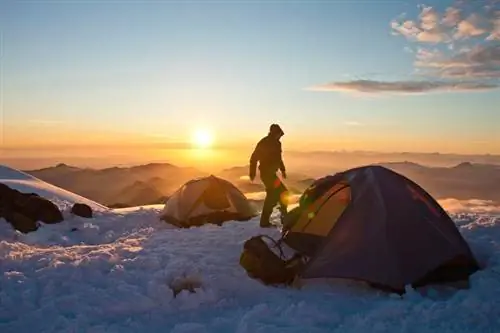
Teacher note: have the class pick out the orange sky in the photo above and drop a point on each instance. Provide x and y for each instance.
(55, 136)
(84, 79)
(37, 145)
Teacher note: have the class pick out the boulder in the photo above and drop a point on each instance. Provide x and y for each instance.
(3, 211)
(24, 210)
(82, 210)
(39, 209)
(21, 222)
(8, 196)
(189, 283)
(29, 205)
(5, 190)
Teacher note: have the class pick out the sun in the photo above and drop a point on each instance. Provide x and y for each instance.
(202, 138)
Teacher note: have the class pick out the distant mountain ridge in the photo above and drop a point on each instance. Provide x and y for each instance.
(144, 184)
(152, 183)
(120, 186)
(463, 181)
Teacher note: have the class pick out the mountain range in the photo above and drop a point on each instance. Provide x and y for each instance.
(144, 184)
(153, 183)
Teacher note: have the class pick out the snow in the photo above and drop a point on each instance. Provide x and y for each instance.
(28, 184)
(113, 273)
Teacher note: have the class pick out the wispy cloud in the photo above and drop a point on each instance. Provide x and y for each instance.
(451, 25)
(451, 17)
(403, 87)
(478, 62)
(470, 27)
(429, 28)
(457, 24)
(457, 51)
(495, 32)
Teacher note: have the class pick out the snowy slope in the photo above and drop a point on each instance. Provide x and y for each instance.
(112, 275)
(28, 184)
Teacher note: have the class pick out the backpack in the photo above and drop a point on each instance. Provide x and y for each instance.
(263, 264)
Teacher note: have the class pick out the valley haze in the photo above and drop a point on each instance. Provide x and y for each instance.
(468, 182)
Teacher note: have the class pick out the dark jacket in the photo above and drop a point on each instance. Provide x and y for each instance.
(268, 153)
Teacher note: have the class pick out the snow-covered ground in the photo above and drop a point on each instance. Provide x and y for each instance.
(28, 184)
(112, 274)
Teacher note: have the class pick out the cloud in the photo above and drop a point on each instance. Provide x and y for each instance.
(427, 55)
(451, 17)
(451, 26)
(477, 62)
(470, 27)
(471, 30)
(413, 31)
(407, 28)
(470, 206)
(429, 19)
(430, 28)
(468, 61)
(495, 32)
(403, 87)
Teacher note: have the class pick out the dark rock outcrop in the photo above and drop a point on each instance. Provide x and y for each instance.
(82, 210)
(39, 209)
(24, 210)
(21, 222)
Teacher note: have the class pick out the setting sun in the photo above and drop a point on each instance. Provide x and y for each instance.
(202, 138)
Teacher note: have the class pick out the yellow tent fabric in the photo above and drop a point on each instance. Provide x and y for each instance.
(207, 200)
(322, 214)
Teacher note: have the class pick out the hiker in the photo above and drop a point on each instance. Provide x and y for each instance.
(268, 153)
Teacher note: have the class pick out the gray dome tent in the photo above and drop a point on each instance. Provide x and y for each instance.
(207, 200)
(375, 225)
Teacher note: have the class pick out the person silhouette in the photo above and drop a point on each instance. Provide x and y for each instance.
(268, 153)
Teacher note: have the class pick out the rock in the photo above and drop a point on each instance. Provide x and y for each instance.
(185, 283)
(82, 210)
(24, 210)
(8, 196)
(39, 209)
(4, 190)
(21, 222)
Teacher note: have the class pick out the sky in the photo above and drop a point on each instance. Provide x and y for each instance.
(350, 75)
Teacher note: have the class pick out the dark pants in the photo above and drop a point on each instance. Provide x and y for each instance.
(275, 191)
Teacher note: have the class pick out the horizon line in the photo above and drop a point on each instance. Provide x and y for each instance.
(222, 169)
(189, 147)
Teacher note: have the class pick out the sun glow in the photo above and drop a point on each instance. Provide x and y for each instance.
(202, 138)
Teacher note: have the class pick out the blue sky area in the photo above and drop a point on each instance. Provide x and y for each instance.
(385, 73)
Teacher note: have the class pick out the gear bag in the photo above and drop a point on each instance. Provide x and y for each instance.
(263, 264)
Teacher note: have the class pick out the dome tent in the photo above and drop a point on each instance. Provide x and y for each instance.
(372, 224)
(207, 200)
